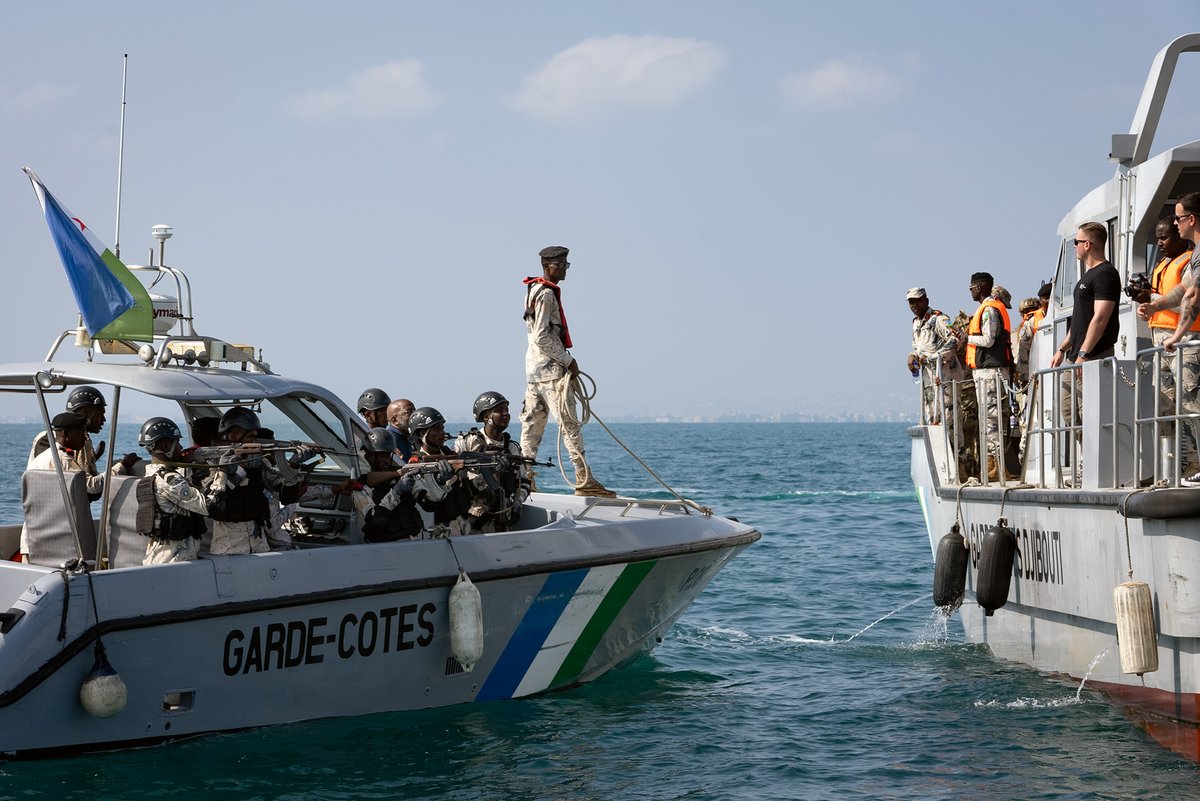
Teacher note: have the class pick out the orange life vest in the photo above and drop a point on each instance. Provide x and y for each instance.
(1166, 277)
(1038, 316)
(1000, 353)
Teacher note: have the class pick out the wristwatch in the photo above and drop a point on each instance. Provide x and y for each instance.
(1081, 355)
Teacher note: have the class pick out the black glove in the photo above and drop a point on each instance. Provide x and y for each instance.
(100, 450)
(302, 455)
(444, 471)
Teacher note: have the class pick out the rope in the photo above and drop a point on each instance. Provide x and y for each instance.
(1124, 508)
(571, 390)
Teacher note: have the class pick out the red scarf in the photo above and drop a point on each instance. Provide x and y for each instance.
(562, 315)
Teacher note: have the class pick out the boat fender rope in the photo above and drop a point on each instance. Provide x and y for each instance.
(1124, 514)
(571, 388)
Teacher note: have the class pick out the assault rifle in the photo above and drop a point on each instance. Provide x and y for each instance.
(456, 462)
(293, 459)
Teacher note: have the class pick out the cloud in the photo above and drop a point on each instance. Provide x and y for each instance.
(393, 89)
(32, 99)
(604, 75)
(843, 83)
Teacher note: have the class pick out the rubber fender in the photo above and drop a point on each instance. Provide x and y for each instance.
(466, 622)
(1136, 637)
(996, 555)
(950, 571)
(1164, 504)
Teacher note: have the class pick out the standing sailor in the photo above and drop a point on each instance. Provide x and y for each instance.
(1168, 274)
(989, 356)
(549, 367)
(934, 353)
(90, 404)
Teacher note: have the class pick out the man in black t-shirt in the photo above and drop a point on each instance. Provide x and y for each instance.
(1094, 325)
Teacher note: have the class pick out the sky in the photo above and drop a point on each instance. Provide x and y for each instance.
(748, 189)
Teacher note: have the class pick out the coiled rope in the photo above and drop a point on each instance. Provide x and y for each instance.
(571, 390)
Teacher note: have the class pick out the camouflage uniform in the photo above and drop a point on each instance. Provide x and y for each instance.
(990, 386)
(546, 362)
(933, 343)
(1190, 399)
(173, 494)
(493, 511)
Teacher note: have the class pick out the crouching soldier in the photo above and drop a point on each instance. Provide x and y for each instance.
(384, 497)
(244, 489)
(499, 489)
(171, 512)
(445, 493)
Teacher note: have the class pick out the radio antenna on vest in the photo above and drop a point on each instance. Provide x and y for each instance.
(120, 157)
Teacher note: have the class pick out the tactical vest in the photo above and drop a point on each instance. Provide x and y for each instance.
(1166, 277)
(389, 525)
(158, 524)
(243, 504)
(1000, 353)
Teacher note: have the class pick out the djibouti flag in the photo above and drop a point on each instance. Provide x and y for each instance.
(114, 304)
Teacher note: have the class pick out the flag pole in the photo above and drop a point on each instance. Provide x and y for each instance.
(120, 157)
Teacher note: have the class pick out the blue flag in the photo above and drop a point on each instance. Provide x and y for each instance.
(114, 304)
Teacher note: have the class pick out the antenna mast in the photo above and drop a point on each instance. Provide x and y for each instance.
(120, 157)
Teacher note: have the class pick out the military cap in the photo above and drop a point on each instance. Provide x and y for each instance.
(553, 253)
(1028, 305)
(1003, 295)
(65, 420)
(916, 293)
(981, 277)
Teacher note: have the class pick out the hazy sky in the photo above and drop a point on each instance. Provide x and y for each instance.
(747, 188)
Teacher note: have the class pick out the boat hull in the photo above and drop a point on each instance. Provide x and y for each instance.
(1074, 549)
(228, 643)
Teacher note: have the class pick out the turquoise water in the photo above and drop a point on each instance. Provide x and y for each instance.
(768, 688)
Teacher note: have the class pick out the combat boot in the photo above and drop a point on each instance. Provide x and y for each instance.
(594, 489)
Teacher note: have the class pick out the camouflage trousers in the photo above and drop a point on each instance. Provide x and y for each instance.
(542, 400)
(965, 428)
(992, 398)
(1189, 402)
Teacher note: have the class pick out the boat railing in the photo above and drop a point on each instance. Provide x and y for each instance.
(1137, 438)
(1159, 430)
(629, 504)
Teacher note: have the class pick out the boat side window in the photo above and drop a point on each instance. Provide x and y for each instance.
(1067, 275)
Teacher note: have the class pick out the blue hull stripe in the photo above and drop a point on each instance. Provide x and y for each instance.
(531, 634)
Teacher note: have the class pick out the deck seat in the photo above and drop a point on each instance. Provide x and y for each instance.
(48, 529)
(126, 545)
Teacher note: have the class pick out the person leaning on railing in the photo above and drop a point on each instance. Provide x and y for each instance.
(933, 344)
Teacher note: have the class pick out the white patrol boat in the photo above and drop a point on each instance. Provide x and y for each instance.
(98, 651)
(1087, 564)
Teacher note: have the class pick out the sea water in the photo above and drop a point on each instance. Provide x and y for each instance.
(812, 667)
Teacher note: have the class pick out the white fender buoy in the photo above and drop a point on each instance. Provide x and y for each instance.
(102, 693)
(466, 622)
(1136, 638)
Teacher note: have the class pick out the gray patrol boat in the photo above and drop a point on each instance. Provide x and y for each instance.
(98, 651)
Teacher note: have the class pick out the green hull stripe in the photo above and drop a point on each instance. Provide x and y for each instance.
(629, 580)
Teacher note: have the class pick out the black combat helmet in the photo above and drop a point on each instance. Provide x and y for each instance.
(423, 418)
(486, 402)
(379, 440)
(239, 417)
(84, 397)
(157, 428)
(372, 399)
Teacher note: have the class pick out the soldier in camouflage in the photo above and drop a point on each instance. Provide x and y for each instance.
(547, 362)
(934, 355)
